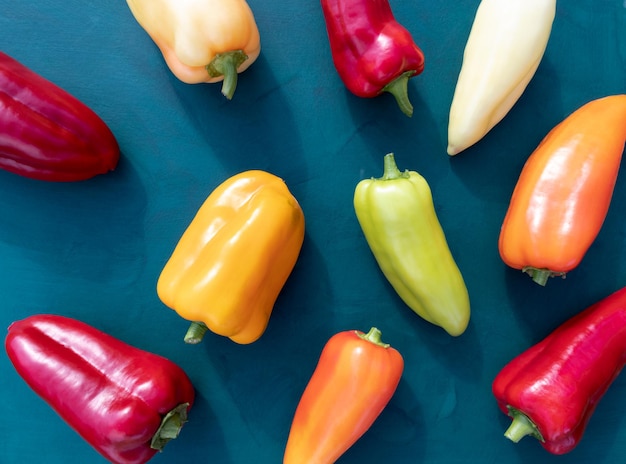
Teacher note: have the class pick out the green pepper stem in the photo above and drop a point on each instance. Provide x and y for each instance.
(226, 64)
(541, 276)
(390, 168)
(195, 333)
(399, 88)
(373, 336)
(521, 427)
(170, 426)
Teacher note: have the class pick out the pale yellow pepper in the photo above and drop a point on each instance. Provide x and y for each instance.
(505, 46)
(202, 41)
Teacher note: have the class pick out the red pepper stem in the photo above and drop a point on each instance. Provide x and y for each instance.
(390, 168)
(373, 336)
(226, 64)
(399, 88)
(195, 333)
(170, 426)
(521, 426)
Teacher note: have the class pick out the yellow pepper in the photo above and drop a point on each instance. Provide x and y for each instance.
(232, 261)
(505, 46)
(398, 219)
(202, 40)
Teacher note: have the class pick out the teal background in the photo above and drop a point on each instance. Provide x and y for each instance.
(93, 250)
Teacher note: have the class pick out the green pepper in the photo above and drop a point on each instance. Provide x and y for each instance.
(398, 218)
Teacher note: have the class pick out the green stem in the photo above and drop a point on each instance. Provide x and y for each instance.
(399, 88)
(373, 336)
(541, 276)
(170, 426)
(195, 333)
(521, 427)
(226, 64)
(390, 169)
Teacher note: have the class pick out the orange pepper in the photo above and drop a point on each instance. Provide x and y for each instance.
(231, 263)
(564, 190)
(355, 378)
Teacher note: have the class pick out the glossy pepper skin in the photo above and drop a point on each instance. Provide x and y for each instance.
(125, 402)
(371, 51)
(232, 261)
(202, 41)
(505, 46)
(398, 219)
(355, 378)
(552, 389)
(564, 191)
(48, 134)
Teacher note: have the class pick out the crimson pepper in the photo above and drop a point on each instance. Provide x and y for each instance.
(125, 402)
(355, 378)
(48, 134)
(552, 389)
(372, 52)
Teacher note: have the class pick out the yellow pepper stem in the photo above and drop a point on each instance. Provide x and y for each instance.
(226, 64)
(195, 333)
(390, 168)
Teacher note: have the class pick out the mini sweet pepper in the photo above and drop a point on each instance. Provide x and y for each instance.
(232, 261)
(202, 40)
(399, 221)
(505, 46)
(552, 389)
(125, 402)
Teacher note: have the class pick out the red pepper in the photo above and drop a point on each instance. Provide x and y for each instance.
(552, 389)
(125, 402)
(356, 376)
(48, 134)
(371, 51)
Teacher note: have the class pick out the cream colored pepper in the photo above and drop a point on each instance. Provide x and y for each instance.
(202, 41)
(505, 46)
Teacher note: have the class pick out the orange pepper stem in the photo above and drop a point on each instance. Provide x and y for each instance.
(390, 169)
(373, 336)
(521, 426)
(226, 64)
(541, 276)
(399, 88)
(195, 333)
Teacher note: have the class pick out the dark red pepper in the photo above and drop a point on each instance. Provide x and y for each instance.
(125, 402)
(552, 389)
(48, 134)
(372, 52)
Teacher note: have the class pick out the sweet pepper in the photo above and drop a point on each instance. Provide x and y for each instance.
(564, 191)
(232, 261)
(506, 43)
(125, 402)
(47, 133)
(398, 219)
(371, 51)
(355, 378)
(202, 41)
(552, 389)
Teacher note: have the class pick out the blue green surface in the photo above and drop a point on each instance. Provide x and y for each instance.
(93, 250)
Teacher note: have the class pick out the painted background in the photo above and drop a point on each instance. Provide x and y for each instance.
(93, 250)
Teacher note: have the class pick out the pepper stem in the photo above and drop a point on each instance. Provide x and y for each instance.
(226, 64)
(170, 427)
(521, 426)
(541, 276)
(399, 88)
(195, 333)
(373, 336)
(390, 168)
